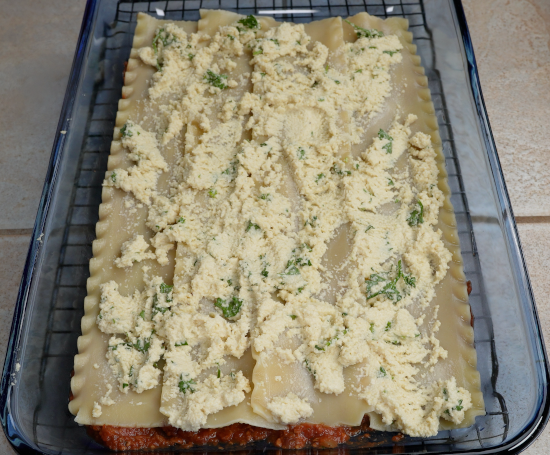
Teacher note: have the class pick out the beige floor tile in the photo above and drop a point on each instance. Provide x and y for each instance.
(13, 251)
(535, 240)
(33, 77)
(512, 46)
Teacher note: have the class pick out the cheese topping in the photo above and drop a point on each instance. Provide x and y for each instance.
(266, 189)
(290, 409)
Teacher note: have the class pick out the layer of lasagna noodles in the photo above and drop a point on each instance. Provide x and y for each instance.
(276, 244)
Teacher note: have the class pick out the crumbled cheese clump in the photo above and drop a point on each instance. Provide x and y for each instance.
(289, 409)
(273, 173)
(134, 250)
(193, 402)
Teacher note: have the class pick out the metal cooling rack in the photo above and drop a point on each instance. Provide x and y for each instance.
(63, 325)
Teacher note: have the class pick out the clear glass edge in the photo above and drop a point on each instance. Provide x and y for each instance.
(518, 444)
(9, 424)
(538, 423)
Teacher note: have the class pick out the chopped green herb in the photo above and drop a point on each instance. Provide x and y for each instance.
(369, 227)
(142, 314)
(190, 56)
(138, 346)
(382, 371)
(319, 177)
(166, 288)
(161, 37)
(212, 193)
(301, 153)
(383, 135)
(181, 220)
(229, 308)
(319, 348)
(216, 80)
(258, 51)
(181, 343)
(252, 225)
(276, 41)
(186, 386)
(124, 385)
(359, 71)
(336, 170)
(417, 216)
(156, 307)
(365, 32)
(113, 177)
(391, 52)
(313, 372)
(390, 182)
(291, 268)
(372, 327)
(293, 316)
(312, 222)
(390, 286)
(264, 196)
(125, 131)
(250, 22)
(231, 37)
(388, 326)
(265, 273)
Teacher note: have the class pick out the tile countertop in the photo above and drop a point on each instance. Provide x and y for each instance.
(512, 46)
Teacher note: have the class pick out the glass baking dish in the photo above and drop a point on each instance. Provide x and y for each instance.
(46, 324)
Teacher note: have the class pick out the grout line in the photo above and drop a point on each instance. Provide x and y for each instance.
(15, 232)
(532, 219)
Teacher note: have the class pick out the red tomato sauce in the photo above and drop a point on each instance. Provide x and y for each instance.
(295, 437)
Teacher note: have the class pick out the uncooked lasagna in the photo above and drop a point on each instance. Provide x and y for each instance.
(276, 244)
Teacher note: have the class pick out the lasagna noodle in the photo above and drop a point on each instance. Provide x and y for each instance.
(117, 224)
(271, 378)
(456, 334)
(209, 24)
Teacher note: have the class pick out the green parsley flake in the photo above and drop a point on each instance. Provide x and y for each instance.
(186, 386)
(250, 22)
(252, 225)
(216, 80)
(389, 288)
(383, 135)
(365, 32)
(417, 216)
(229, 308)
